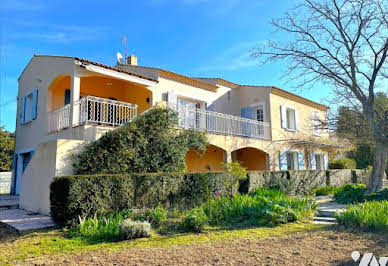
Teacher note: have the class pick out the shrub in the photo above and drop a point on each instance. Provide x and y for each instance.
(350, 193)
(149, 144)
(326, 190)
(368, 215)
(291, 182)
(99, 227)
(262, 207)
(342, 163)
(236, 172)
(135, 229)
(74, 196)
(195, 220)
(155, 216)
(381, 195)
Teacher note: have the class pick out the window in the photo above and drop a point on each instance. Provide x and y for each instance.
(260, 114)
(292, 160)
(26, 160)
(29, 107)
(291, 121)
(187, 113)
(67, 96)
(319, 161)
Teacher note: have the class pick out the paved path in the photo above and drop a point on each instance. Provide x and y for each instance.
(9, 202)
(23, 220)
(326, 209)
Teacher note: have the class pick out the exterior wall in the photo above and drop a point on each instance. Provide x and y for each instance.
(39, 74)
(305, 122)
(210, 161)
(250, 96)
(184, 90)
(50, 159)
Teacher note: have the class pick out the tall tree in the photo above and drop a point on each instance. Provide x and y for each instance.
(6, 149)
(343, 44)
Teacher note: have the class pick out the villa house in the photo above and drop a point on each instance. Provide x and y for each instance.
(65, 102)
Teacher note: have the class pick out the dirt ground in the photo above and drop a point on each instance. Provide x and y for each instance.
(327, 247)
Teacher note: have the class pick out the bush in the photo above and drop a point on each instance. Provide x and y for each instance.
(135, 229)
(342, 163)
(381, 195)
(155, 216)
(74, 196)
(369, 215)
(291, 182)
(149, 144)
(262, 207)
(326, 190)
(350, 193)
(195, 220)
(99, 227)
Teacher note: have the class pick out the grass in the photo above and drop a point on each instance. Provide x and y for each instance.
(371, 215)
(326, 190)
(56, 241)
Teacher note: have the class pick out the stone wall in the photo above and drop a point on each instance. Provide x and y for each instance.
(5, 182)
(339, 177)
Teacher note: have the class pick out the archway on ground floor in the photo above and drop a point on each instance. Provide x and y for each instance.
(251, 158)
(210, 161)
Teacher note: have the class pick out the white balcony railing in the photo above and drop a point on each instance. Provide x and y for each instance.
(92, 110)
(219, 123)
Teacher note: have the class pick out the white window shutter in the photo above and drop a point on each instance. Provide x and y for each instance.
(34, 111)
(23, 111)
(283, 160)
(172, 99)
(283, 116)
(326, 161)
(301, 161)
(296, 120)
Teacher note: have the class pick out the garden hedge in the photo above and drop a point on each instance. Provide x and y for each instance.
(291, 182)
(85, 195)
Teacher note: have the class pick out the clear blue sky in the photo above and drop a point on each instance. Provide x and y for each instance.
(210, 38)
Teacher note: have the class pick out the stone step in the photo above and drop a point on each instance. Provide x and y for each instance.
(325, 220)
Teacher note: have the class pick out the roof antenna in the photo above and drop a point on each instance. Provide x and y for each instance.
(124, 40)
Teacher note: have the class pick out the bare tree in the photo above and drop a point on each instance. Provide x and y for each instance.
(342, 44)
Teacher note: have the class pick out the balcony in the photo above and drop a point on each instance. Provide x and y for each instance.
(92, 110)
(219, 123)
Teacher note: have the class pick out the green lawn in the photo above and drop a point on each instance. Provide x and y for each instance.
(17, 248)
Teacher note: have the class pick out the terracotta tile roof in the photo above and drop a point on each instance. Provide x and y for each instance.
(159, 72)
(86, 61)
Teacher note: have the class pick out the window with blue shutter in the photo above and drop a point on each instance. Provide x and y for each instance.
(283, 160)
(313, 162)
(301, 161)
(246, 112)
(23, 111)
(34, 107)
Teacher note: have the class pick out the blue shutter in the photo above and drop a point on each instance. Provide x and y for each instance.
(34, 111)
(313, 163)
(282, 160)
(300, 161)
(23, 111)
(246, 127)
(32, 154)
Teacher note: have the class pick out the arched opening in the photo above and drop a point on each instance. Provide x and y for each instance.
(210, 161)
(251, 158)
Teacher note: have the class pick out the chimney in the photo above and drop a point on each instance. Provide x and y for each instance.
(132, 60)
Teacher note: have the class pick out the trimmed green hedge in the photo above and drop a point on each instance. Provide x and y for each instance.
(85, 195)
(291, 182)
